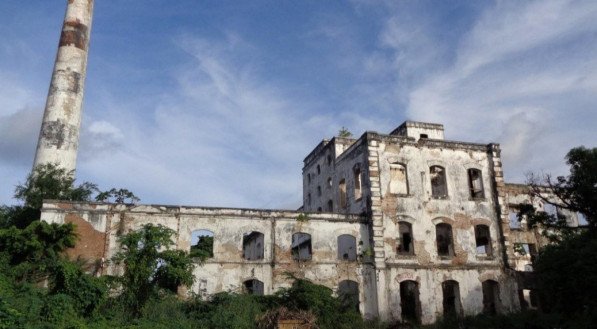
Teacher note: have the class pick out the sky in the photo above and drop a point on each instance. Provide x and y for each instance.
(216, 102)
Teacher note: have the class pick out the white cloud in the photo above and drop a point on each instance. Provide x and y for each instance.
(513, 27)
(524, 77)
(225, 137)
(18, 135)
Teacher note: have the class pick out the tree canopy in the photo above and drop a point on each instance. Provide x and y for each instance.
(150, 265)
(576, 193)
(566, 270)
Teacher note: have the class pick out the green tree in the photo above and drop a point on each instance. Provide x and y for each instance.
(86, 291)
(150, 266)
(330, 311)
(117, 196)
(576, 192)
(204, 248)
(344, 133)
(566, 270)
(47, 181)
(32, 251)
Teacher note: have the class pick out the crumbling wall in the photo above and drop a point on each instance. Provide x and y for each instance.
(227, 270)
(423, 211)
(329, 164)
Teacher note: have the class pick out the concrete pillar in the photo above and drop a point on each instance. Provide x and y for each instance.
(59, 136)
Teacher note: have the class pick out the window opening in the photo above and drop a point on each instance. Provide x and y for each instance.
(533, 298)
(409, 301)
(423, 136)
(347, 247)
(357, 184)
(439, 187)
(253, 245)
(329, 158)
(309, 199)
(254, 287)
(475, 183)
(329, 181)
(528, 299)
(451, 298)
(405, 239)
(513, 218)
(348, 293)
(301, 246)
(483, 240)
(582, 219)
(443, 235)
(398, 180)
(532, 251)
(491, 295)
(524, 249)
(202, 244)
(318, 169)
(319, 209)
(342, 190)
(318, 190)
(330, 206)
(308, 178)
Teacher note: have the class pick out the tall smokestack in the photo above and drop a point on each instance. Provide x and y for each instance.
(59, 136)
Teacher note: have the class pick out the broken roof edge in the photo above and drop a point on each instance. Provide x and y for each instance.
(417, 124)
(66, 206)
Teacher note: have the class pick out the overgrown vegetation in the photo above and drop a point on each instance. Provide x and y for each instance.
(204, 248)
(344, 133)
(150, 267)
(566, 270)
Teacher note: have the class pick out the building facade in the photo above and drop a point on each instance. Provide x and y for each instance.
(414, 225)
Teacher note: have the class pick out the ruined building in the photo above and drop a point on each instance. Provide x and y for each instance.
(413, 225)
(410, 225)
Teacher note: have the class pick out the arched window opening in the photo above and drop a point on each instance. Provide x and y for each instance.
(253, 245)
(347, 247)
(329, 159)
(409, 301)
(439, 187)
(405, 239)
(342, 191)
(301, 246)
(254, 287)
(398, 179)
(329, 181)
(491, 294)
(330, 206)
(348, 292)
(202, 244)
(443, 237)
(483, 240)
(357, 184)
(318, 169)
(475, 184)
(451, 298)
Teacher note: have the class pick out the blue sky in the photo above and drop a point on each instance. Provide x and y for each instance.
(216, 103)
